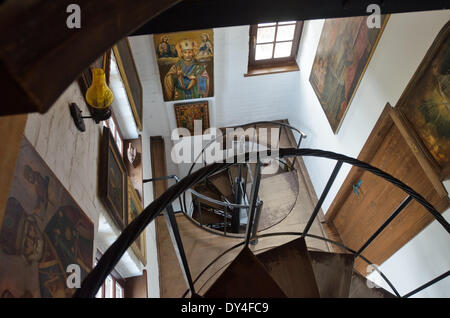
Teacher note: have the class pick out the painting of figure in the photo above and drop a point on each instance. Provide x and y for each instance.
(425, 102)
(343, 53)
(186, 64)
(134, 209)
(187, 113)
(43, 231)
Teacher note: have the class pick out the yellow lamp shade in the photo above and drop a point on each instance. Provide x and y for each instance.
(99, 95)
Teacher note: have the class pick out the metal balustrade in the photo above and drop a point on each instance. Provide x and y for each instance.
(95, 278)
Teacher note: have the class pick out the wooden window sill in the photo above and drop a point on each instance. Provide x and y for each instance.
(273, 69)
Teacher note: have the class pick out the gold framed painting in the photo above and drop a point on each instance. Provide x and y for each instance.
(134, 209)
(113, 184)
(424, 106)
(187, 113)
(130, 77)
(345, 48)
(186, 64)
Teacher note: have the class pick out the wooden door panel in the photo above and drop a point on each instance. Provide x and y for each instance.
(360, 216)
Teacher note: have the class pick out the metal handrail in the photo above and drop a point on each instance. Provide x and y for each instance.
(284, 125)
(111, 257)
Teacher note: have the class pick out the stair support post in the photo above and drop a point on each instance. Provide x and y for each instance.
(178, 246)
(256, 223)
(318, 206)
(253, 204)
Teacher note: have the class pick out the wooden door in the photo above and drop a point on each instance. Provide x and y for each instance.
(357, 216)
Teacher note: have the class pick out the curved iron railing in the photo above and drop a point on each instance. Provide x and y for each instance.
(227, 205)
(95, 278)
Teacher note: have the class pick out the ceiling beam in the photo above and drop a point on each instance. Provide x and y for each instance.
(202, 14)
(40, 56)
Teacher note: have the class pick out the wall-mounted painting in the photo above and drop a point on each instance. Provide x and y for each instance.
(344, 51)
(132, 150)
(43, 231)
(113, 181)
(130, 78)
(186, 113)
(134, 209)
(425, 104)
(186, 64)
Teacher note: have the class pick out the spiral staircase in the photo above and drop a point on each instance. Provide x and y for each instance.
(231, 199)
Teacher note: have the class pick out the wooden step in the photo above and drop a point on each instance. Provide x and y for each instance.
(359, 288)
(290, 267)
(222, 182)
(277, 204)
(207, 217)
(333, 272)
(245, 277)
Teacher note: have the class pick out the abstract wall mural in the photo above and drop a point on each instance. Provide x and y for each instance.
(186, 64)
(344, 51)
(43, 231)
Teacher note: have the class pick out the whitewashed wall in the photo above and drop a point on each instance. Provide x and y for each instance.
(74, 156)
(400, 50)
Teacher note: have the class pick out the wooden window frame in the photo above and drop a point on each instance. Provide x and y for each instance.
(116, 279)
(116, 134)
(273, 65)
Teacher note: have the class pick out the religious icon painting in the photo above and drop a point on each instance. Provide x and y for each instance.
(186, 64)
(42, 233)
(187, 113)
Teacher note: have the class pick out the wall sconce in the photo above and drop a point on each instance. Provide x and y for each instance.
(99, 98)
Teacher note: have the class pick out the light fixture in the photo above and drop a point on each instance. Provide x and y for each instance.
(99, 98)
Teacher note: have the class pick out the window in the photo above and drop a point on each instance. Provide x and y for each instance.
(112, 125)
(273, 47)
(112, 287)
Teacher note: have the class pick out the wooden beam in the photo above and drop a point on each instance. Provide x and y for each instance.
(40, 56)
(225, 13)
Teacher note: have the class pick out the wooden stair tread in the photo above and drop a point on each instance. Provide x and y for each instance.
(333, 272)
(245, 277)
(277, 204)
(290, 266)
(360, 289)
(222, 183)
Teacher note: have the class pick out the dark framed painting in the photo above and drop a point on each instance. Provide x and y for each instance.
(130, 78)
(344, 51)
(186, 64)
(424, 105)
(113, 181)
(43, 232)
(134, 209)
(85, 79)
(186, 113)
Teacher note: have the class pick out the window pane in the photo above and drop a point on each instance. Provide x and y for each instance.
(119, 290)
(263, 51)
(286, 32)
(287, 22)
(119, 142)
(266, 24)
(265, 35)
(99, 293)
(283, 49)
(108, 287)
(112, 126)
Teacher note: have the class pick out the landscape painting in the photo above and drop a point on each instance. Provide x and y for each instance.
(43, 231)
(344, 51)
(425, 102)
(186, 64)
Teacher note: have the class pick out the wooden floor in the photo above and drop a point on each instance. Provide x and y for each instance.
(202, 247)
